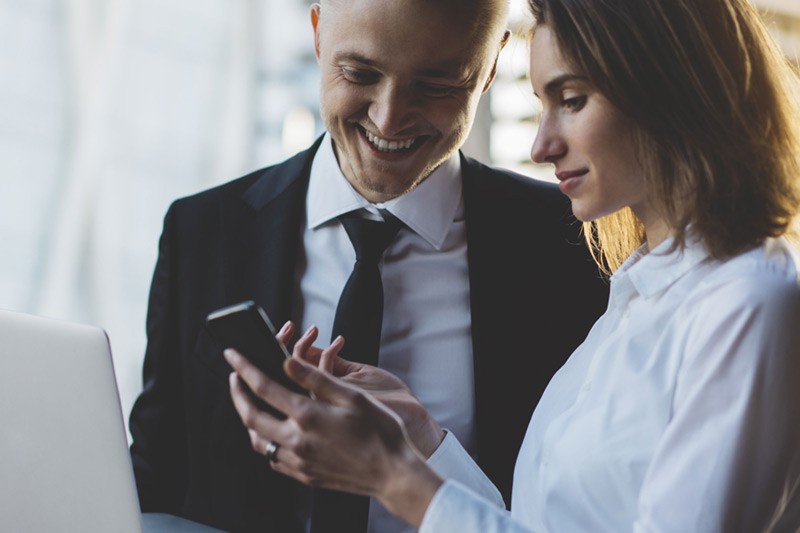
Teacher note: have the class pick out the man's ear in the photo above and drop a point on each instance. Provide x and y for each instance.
(315, 11)
(493, 73)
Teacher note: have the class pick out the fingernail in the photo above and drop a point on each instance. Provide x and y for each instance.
(310, 329)
(285, 329)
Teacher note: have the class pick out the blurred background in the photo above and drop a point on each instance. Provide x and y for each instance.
(111, 109)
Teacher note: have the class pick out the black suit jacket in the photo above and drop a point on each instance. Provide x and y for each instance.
(534, 294)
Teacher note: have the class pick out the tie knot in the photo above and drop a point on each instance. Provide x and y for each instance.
(370, 237)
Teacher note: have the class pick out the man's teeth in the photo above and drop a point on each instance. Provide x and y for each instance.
(389, 146)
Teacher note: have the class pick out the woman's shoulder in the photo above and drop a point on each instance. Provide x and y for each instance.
(773, 265)
(744, 312)
(761, 279)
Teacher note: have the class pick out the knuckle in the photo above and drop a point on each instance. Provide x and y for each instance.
(304, 449)
(260, 388)
(291, 442)
(305, 415)
(249, 416)
(310, 478)
(313, 481)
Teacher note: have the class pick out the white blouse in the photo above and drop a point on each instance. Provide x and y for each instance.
(679, 412)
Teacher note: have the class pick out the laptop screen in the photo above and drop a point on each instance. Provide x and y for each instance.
(64, 460)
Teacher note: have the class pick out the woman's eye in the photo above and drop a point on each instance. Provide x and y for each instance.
(574, 103)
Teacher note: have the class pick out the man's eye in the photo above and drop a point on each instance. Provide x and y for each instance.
(358, 76)
(436, 91)
(575, 103)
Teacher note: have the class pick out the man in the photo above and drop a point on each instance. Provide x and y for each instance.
(487, 287)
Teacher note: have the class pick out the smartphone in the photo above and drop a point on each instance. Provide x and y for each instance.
(247, 328)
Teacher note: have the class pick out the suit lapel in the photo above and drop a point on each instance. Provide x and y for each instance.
(485, 283)
(262, 230)
(480, 272)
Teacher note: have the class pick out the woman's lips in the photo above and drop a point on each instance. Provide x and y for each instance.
(569, 179)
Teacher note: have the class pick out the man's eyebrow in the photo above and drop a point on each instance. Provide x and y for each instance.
(445, 73)
(356, 57)
(555, 84)
(450, 70)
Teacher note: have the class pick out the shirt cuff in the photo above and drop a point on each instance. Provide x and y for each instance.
(452, 462)
(439, 510)
(455, 508)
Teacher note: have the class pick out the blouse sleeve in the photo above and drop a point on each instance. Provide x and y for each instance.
(452, 461)
(729, 459)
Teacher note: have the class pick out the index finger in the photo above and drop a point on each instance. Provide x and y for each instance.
(262, 385)
(328, 357)
(286, 333)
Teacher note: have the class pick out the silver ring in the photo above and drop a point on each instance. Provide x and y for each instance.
(271, 450)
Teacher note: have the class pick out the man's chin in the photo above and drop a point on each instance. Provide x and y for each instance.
(385, 188)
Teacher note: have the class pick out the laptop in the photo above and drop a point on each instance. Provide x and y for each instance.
(64, 459)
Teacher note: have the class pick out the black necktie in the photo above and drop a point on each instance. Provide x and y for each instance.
(359, 314)
(358, 319)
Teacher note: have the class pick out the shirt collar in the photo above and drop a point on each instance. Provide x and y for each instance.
(429, 209)
(651, 272)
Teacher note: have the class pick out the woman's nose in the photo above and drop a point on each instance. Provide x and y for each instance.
(548, 146)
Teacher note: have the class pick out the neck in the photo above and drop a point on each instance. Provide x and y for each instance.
(656, 228)
(656, 232)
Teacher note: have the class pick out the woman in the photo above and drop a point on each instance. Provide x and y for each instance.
(671, 125)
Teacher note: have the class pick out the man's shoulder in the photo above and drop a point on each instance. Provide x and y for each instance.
(503, 180)
(232, 188)
(259, 185)
(501, 188)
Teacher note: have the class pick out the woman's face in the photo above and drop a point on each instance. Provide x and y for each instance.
(586, 138)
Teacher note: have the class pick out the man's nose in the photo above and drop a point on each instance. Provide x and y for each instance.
(393, 109)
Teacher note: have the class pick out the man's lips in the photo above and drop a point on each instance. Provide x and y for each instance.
(386, 145)
(392, 147)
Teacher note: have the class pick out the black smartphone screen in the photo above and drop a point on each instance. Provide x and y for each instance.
(247, 328)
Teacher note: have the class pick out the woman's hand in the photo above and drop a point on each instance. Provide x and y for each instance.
(344, 439)
(423, 430)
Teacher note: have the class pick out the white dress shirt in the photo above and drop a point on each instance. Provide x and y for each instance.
(426, 334)
(680, 412)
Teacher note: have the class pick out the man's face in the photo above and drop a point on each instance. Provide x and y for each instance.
(400, 83)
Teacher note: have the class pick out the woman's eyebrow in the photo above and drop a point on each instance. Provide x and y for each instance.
(556, 83)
